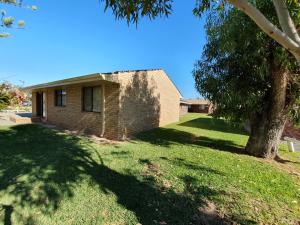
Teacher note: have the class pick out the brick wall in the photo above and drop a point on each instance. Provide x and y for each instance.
(183, 109)
(169, 98)
(147, 100)
(71, 116)
(140, 101)
(205, 108)
(112, 110)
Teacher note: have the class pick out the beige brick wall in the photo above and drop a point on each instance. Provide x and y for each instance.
(140, 101)
(148, 100)
(183, 109)
(169, 98)
(71, 116)
(112, 110)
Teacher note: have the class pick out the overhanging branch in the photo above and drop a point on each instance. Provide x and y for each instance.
(268, 27)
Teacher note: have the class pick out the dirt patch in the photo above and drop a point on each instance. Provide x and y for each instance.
(209, 215)
(4, 119)
(151, 169)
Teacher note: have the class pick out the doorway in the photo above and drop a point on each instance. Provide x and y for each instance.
(39, 104)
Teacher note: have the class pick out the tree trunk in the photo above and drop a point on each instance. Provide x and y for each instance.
(265, 136)
(267, 127)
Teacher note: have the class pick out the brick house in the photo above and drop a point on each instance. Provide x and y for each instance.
(112, 105)
(200, 106)
(184, 107)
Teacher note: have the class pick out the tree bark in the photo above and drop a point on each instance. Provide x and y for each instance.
(265, 136)
(285, 20)
(267, 127)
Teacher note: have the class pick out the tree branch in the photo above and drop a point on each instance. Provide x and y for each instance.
(268, 27)
(285, 20)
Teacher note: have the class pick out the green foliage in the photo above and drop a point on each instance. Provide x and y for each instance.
(234, 71)
(12, 95)
(4, 100)
(295, 112)
(9, 1)
(4, 35)
(134, 9)
(8, 21)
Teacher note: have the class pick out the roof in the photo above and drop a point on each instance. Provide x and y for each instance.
(74, 80)
(183, 101)
(197, 101)
(91, 77)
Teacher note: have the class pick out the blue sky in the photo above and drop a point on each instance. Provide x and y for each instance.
(72, 38)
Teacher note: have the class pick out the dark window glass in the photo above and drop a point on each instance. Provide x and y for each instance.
(92, 99)
(87, 99)
(60, 97)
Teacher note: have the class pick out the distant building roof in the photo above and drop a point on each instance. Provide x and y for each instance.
(183, 101)
(197, 102)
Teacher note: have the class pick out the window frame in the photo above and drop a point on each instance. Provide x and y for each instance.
(92, 99)
(58, 93)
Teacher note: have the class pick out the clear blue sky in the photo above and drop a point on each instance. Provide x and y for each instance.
(72, 38)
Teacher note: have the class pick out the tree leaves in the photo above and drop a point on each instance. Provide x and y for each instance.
(8, 21)
(133, 10)
(234, 69)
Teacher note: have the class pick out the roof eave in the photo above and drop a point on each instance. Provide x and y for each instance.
(75, 80)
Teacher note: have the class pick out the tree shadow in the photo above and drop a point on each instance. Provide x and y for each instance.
(214, 124)
(39, 168)
(284, 161)
(167, 137)
(139, 98)
(8, 210)
(150, 202)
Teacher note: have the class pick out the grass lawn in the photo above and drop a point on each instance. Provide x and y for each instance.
(192, 172)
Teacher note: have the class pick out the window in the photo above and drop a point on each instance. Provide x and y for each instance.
(60, 97)
(92, 99)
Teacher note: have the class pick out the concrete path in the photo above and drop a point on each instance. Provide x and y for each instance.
(5, 121)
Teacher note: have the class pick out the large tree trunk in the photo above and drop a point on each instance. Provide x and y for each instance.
(267, 127)
(265, 135)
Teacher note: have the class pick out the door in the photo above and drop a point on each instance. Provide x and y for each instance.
(39, 104)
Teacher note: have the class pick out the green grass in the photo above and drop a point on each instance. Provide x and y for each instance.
(186, 173)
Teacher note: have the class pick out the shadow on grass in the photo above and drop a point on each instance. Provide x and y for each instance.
(167, 137)
(214, 124)
(284, 161)
(39, 168)
(8, 210)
